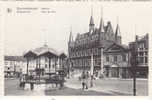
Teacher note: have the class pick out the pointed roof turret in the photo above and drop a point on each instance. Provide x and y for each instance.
(101, 27)
(91, 24)
(71, 36)
(117, 33)
(91, 19)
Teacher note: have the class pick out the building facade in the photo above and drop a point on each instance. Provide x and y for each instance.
(14, 65)
(110, 57)
(116, 61)
(141, 50)
(44, 60)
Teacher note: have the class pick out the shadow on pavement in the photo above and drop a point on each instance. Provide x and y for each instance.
(119, 93)
(74, 92)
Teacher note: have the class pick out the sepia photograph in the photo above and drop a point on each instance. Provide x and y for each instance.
(77, 49)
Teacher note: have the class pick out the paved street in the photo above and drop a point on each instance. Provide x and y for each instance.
(103, 87)
(12, 88)
(114, 86)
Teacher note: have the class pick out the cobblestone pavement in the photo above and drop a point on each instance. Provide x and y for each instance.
(114, 86)
(12, 88)
(102, 87)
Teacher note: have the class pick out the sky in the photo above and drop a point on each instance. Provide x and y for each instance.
(23, 32)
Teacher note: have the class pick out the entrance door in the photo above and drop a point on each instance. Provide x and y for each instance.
(114, 71)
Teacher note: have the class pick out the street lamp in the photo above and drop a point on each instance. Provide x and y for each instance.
(134, 65)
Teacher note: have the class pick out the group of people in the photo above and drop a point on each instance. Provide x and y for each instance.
(85, 80)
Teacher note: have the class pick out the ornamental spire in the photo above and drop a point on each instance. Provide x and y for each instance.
(71, 36)
(91, 25)
(101, 26)
(117, 33)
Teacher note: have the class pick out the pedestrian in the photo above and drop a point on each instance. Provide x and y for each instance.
(21, 80)
(86, 78)
(91, 81)
(83, 80)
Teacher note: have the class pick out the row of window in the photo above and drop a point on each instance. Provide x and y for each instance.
(11, 62)
(87, 52)
(141, 46)
(96, 61)
(86, 62)
(142, 60)
(115, 58)
(87, 40)
(141, 54)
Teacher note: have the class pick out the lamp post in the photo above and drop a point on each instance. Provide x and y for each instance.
(134, 65)
(91, 71)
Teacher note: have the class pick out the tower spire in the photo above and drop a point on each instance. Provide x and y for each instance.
(71, 36)
(101, 26)
(118, 33)
(91, 25)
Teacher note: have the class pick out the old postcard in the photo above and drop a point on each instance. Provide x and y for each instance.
(82, 49)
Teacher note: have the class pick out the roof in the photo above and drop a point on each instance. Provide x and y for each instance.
(125, 47)
(118, 31)
(105, 43)
(91, 21)
(82, 36)
(142, 38)
(63, 55)
(42, 50)
(14, 58)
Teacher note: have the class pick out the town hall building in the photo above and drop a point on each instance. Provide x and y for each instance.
(110, 56)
